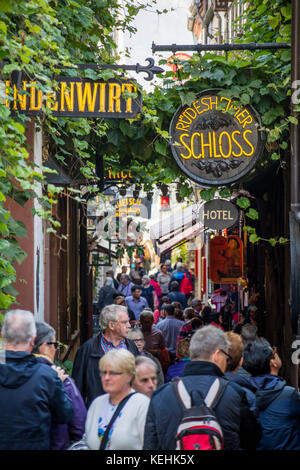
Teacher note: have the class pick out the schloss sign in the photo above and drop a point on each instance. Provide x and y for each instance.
(216, 140)
(76, 97)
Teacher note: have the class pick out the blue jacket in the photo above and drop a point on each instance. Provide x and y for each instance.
(176, 296)
(164, 412)
(176, 370)
(278, 413)
(31, 397)
(247, 386)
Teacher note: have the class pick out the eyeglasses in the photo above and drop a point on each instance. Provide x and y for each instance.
(228, 358)
(139, 340)
(55, 344)
(110, 373)
(124, 322)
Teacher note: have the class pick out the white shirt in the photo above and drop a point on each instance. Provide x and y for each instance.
(127, 432)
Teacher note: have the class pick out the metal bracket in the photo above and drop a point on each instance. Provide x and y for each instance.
(149, 69)
(220, 47)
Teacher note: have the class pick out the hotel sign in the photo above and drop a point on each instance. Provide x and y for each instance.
(76, 97)
(216, 141)
(219, 214)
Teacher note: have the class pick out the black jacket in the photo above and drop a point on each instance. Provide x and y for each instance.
(32, 398)
(86, 367)
(106, 296)
(164, 412)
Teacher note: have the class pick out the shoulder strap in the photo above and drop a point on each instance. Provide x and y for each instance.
(213, 396)
(114, 417)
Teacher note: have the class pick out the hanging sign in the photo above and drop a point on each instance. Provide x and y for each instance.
(76, 97)
(218, 214)
(225, 259)
(120, 175)
(130, 206)
(214, 140)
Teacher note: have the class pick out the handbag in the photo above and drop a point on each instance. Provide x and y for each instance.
(114, 417)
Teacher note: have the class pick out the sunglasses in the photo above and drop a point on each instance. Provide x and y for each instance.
(55, 344)
(228, 357)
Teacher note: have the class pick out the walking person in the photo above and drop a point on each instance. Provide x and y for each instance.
(125, 285)
(148, 292)
(32, 396)
(277, 403)
(164, 278)
(106, 294)
(117, 370)
(136, 302)
(182, 356)
(176, 296)
(170, 328)
(114, 323)
(209, 356)
(44, 348)
(136, 335)
(146, 373)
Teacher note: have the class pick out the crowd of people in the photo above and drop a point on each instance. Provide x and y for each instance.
(130, 383)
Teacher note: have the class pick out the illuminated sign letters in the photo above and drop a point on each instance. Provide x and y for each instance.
(214, 140)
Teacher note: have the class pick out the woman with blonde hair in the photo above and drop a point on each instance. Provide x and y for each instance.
(116, 420)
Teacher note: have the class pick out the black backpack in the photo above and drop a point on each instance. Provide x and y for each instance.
(199, 428)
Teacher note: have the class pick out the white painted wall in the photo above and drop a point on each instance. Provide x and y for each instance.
(165, 28)
(38, 240)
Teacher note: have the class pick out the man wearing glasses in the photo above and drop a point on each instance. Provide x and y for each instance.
(209, 357)
(114, 326)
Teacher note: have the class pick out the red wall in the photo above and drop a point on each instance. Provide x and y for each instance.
(25, 271)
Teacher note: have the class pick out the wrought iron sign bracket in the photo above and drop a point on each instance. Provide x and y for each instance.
(151, 69)
(220, 47)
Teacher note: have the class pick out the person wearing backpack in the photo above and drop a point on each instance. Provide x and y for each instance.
(277, 403)
(210, 395)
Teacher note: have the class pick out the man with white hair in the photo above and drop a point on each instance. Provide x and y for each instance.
(209, 355)
(114, 324)
(32, 396)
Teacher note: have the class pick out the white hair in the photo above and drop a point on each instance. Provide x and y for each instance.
(19, 327)
(110, 313)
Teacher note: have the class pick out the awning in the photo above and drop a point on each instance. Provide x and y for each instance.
(178, 227)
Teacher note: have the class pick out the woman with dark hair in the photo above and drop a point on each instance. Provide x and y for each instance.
(177, 310)
(45, 345)
(278, 405)
(205, 314)
(227, 315)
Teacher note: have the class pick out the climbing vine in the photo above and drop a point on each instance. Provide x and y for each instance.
(42, 37)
